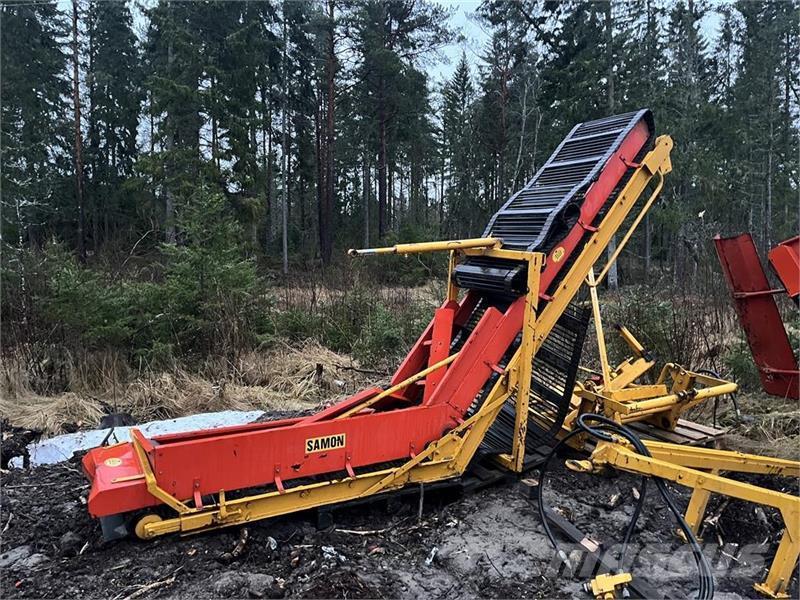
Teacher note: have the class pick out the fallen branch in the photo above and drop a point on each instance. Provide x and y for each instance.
(238, 549)
(8, 523)
(491, 562)
(143, 589)
(363, 532)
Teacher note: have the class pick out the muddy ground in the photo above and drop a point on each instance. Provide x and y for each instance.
(486, 544)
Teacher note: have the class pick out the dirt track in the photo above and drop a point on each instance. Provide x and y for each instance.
(488, 544)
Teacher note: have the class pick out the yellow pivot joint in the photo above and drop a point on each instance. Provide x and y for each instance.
(604, 587)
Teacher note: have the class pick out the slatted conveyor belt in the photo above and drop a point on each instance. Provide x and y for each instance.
(555, 369)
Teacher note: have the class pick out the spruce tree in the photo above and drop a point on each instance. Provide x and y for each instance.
(114, 80)
(36, 144)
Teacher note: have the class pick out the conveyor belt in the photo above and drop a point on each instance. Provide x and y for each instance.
(552, 198)
(555, 368)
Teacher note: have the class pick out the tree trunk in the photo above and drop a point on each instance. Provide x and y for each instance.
(390, 207)
(21, 232)
(366, 184)
(613, 279)
(381, 165)
(285, 151)
(169, 198)
(77, 158)
(326, 223)
(319, 157)
(441, 187)
(266, 151)
(768, 208)
(94, 197)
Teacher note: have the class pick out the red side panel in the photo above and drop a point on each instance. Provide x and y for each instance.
(440, 347)
(221, 460)
(759, 315)
(479, 357)
(785, 259)
(596, 197)
(343, 406)
(417, 357)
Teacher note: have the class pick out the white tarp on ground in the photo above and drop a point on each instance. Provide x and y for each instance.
(62, 447)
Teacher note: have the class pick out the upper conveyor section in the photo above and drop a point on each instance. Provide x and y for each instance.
(562, 202)
(527, 219)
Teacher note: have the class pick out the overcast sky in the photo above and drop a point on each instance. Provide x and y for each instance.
(475, 37)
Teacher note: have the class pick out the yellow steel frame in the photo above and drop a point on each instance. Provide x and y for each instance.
(619, 398)
(699, 469)
(657, 403)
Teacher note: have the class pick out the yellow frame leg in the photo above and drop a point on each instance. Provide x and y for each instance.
(682, 465)
(696, 509)
(525, 370)
(780, 572)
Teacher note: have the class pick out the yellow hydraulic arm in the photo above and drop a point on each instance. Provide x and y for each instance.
(699, 469)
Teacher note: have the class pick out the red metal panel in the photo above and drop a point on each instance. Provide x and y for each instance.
(479, 358)
(196, 435)
(246, 459)
(785, 259)
(440, 347)
(417, 357)
(343, 406)
(759, 315)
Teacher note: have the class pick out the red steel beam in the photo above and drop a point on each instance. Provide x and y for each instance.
(785, 260)
(759, 316)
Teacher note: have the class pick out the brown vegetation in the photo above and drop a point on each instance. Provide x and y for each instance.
(280, 379)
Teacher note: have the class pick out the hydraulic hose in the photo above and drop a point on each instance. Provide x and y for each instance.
(732, 396)
(705, 576)
(540, 505)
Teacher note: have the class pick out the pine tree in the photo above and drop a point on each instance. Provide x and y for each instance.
(463, 211)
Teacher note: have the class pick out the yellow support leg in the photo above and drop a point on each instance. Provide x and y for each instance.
(780, 573)
(697, 508)
(525, 368)
(681, 465)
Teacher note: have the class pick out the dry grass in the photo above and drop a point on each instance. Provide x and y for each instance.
(283, 378)
(770, 426)
(51, 414)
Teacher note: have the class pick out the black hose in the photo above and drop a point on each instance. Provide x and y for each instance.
(540, 505)
(540, 495)
(732, 396)
(706, 579)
